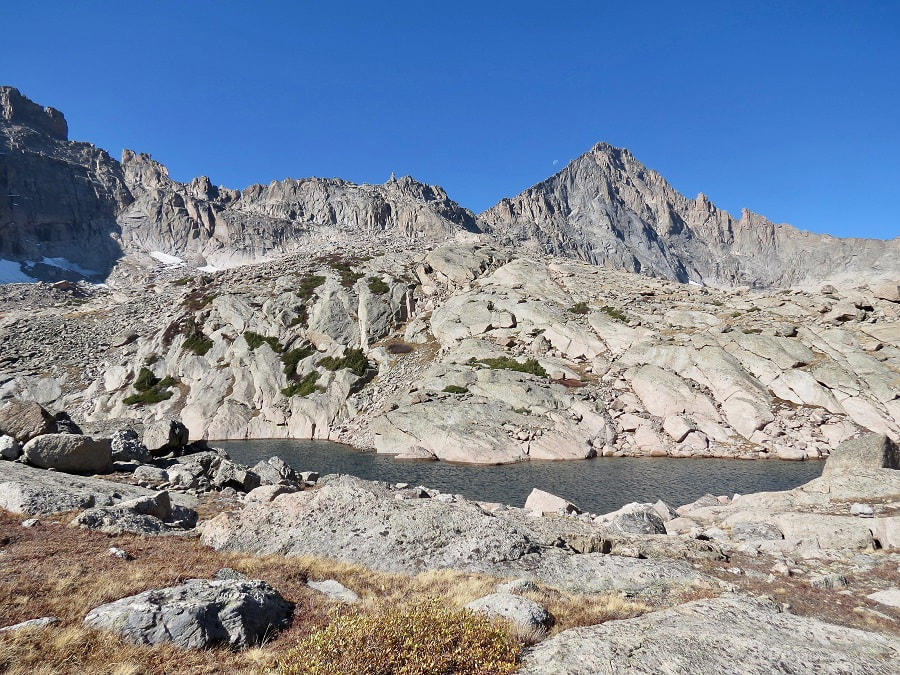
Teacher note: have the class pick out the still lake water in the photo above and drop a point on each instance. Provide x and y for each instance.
(597, 485)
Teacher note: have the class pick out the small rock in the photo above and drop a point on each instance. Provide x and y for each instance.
(31, 522)
(334, 590)
(517, 586)
(119, 553)
(890, 597)
(541, 502)
(165, 436)
(515, 608)
(71, 453)
(32, 623)
(862, 510)
(829, 581)
(10, 448)
(126, 446)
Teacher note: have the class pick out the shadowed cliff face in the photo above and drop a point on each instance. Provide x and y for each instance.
(58, 199)
(609, 209)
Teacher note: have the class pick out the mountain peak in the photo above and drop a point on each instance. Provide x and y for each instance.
(18, 109)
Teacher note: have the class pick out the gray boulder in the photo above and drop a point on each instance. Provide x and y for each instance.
(197, 614)
(152, 514)
(869, 451)
(127, 447)
(69, 452)
(9, 448)
(521, 611)
(634, 518)
(23, 420)
(165, 436)
(234, 475)
(274, 470)
(729, 634)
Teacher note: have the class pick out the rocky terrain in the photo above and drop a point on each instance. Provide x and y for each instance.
(805, 580)
(598, 313)
(462, 352)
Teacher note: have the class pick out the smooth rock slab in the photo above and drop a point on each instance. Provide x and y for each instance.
(521, 611)
(198, 614)
(730, 634)
(69, 452)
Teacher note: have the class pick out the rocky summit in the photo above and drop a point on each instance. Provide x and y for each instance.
(599, 313)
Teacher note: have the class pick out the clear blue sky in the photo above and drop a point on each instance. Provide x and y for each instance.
(790, 109)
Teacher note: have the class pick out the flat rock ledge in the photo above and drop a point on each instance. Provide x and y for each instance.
(713, 636)
(198, 614)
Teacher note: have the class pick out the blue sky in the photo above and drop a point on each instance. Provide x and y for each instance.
(789, 109)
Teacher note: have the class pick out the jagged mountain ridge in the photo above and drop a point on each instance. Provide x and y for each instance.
(73, 202)
(69, 200)
(607, 208)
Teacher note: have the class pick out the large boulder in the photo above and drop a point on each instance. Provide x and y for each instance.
(165, 436)
(127, 447)
(541, 502)
(69, 452)
(869, 451)
(23, 420)
(521, 611)
(152, 514)
(728, 634)
(197, 614)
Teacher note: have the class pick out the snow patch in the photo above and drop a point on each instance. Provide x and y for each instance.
(11, 273)
(62, 263)
(166, 259)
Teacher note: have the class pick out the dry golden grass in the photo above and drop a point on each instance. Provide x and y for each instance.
(54, 570)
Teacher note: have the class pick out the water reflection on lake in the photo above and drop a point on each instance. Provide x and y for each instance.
(597, 485)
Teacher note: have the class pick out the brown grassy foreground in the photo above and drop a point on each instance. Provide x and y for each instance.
(55, 570)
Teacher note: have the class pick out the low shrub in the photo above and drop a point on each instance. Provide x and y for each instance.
(377, 286)
(399, 348)
(309, 284)
(508, 363)
(145, 380)
(580, 308)
(303, 387)
(198, 343)
(150, 396)
(353, 359)
(456, 389)
(614, 313)
(429, 638)
(150, 389)
(292, 357)
(255, 340)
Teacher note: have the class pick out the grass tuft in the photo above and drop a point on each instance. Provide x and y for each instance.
(509, 363)
(428, 638)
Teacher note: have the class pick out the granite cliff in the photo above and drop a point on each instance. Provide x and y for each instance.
(73, 211)
(607, 208)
